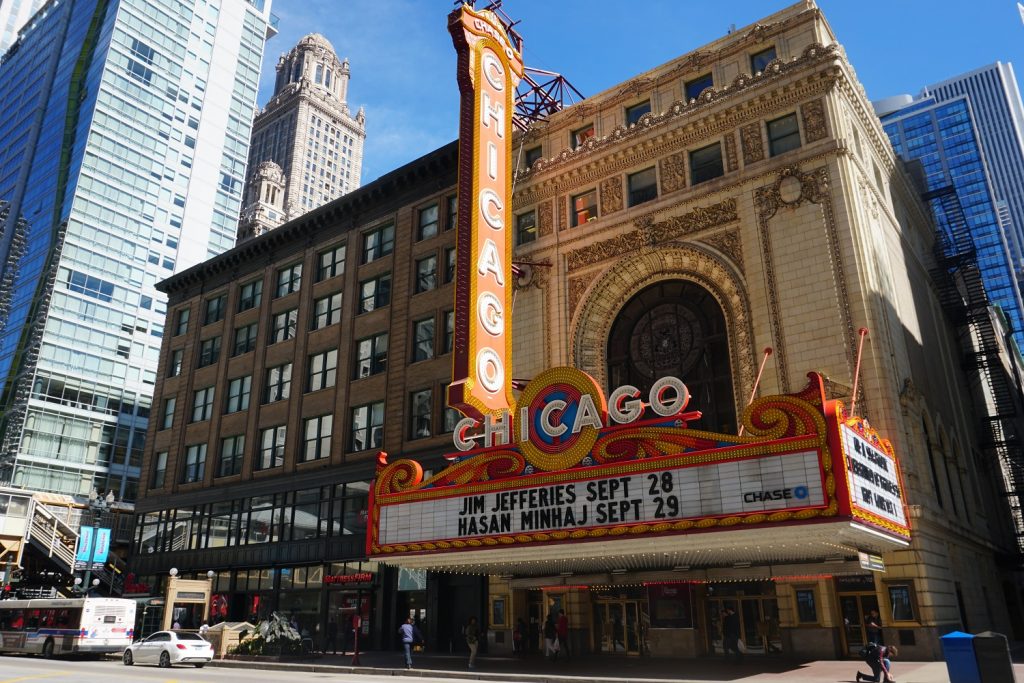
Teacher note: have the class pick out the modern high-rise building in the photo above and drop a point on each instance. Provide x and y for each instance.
(945, 137)
(308, 132)
(998, 118)
(13, 15)
(123, 151)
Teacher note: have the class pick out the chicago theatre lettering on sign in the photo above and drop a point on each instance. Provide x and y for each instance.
(569, 470)
(489, 69)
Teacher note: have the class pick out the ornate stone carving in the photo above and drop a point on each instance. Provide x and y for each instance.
(791, 188)
(532, 275)
(753, 146)
(812, 55)
(731, 162)
(673, 172)
(649, 232)
(545, 219)
(636, 86)
(611, 195)
(596, 313)
(560, 208)
(577, 286)
(813, 114)
(728, 242)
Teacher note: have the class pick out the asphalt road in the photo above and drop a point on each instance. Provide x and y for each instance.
(16, 669)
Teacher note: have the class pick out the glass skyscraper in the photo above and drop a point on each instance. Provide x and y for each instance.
(123, 145)
(13, 15)
(999, 124)
(943, 137)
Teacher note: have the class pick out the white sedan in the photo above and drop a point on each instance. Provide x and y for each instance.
(170, 647)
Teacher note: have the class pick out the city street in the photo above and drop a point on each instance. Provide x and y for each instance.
(18, 669)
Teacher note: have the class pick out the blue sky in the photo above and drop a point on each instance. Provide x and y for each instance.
(403, 63)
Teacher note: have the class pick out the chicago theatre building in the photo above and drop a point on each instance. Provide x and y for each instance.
(653, 464)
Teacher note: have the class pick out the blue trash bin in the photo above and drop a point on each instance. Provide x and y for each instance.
(961, 662)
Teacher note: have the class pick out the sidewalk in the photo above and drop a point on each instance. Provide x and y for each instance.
(608, 669)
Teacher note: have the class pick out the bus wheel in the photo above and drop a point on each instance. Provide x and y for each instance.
(127, 659)
(48, 649)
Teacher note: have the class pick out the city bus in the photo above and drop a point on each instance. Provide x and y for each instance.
(53, 627)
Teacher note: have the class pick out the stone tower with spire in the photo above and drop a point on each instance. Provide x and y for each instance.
(309, 134)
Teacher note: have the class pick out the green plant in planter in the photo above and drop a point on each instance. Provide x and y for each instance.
(273, 636)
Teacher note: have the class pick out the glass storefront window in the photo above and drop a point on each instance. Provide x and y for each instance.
(806, 609)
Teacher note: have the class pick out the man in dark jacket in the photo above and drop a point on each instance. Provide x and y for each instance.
(731, 633)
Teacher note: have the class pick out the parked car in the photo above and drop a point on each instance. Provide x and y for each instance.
(167, 648)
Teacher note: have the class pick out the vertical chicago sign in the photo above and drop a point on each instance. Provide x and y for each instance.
(489, 69)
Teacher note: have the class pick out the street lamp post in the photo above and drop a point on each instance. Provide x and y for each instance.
(97, 506)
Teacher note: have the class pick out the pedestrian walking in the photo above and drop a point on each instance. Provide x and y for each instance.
(410, 635)
(879, 658)
(562, 629)
(873, 627)
(472, 631)
(519, 637)
(551, 645)
(731, 634)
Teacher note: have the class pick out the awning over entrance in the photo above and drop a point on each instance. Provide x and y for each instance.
(805, 484)
(828, 542)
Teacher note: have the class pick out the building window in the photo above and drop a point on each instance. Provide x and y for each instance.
(239, 391)
(581, 135)
(451, 418)
(331, 263)
(168, 419)
(209, 351)
(636, 112)
(272, 447)
(323, 370)
(284, 326)
(250, 295)
(423, 340)
(453, 212)
(367, 426)
(783, 135)
(375, 293)
(806, 608)
(245, 339)
(202, 404)
(289, 279)
(526, 227)
(174, 365)
(532, 155)
(371, 356)
(279, 383)
(379, 242)
(317, 442)
(449, 331)
(182, 326)
(643, 186)
(232, 452)
(901, 600)
(426, 274)
(327, 311)
(698, 85)
(159, 470)
(760, 60)
(449, 264)
(584, 208)
(195, 464)
(420, 409)
(214, 309)
(706, 163)
(428, 223)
